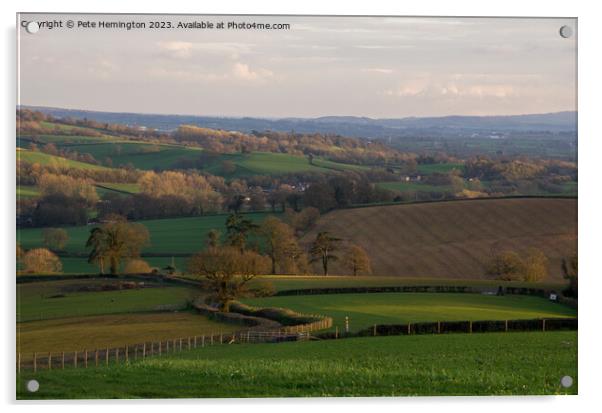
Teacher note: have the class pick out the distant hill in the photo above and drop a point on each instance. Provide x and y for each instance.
(454, 239)
(447, 126)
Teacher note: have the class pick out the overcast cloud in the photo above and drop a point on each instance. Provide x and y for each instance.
(376, 67)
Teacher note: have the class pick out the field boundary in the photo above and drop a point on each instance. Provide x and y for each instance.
(129, 353)
(501, 290)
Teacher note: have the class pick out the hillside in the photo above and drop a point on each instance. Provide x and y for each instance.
(46, 159)
(454, 239)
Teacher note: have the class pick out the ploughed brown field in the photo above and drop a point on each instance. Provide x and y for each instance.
(454, 239)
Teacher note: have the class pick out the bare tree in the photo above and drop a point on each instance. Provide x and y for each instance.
(324, 249)
(228, 271)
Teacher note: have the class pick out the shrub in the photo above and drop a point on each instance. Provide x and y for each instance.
(137, 266)
(41, 260)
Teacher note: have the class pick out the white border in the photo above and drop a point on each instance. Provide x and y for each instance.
(590, 151)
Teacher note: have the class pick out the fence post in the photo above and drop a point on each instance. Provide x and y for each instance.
(75, 359)
(188, 343)
(194, 341)
(543, 325)
(127, 357)
(18, 362)
(86, 358)
(506, 325)
(63, 360)
(221, 337)
(49, 361)
(143, 351)
(167, 346)
(470, 327)
(107, 357)
(336, 332)
(152, 349)
(409, 328)
(117, 355)
(438, 327)
(35, 362)
(211, 338)
(180, 344)
(203, 340)
(160, 349)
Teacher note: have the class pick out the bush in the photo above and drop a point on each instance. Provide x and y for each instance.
(263, 289)
(137, 266)
(41, 260)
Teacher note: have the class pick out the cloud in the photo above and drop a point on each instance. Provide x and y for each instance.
(455, 87)
(380, 70)
(185, 50)
(242, 71)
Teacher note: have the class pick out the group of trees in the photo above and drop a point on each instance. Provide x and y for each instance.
(38, 261)
(508, 265)
(114, 241)
(334, 147)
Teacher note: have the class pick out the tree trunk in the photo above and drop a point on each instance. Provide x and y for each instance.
(273, 265)
(114, 265)
(325, 265)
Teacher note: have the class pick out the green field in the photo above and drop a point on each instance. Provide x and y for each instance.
(454, 364)
(365, 310)
(295, 282)
(414, 187)
(97, 332)
(27, 191)
(167, 236)
(45, 159)
(65, 298)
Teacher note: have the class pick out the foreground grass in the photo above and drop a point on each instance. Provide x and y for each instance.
(58, 299)
(98, 332)
(478, 364)
(365, 310)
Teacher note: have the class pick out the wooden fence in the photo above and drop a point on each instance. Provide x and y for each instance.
(129, 353)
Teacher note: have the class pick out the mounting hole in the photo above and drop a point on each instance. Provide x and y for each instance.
(566, 31)
(566, 381)
(33, 386)
(32, 27)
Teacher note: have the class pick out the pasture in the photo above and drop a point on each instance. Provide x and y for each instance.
(84, 297)
(296, 282)
(454, 239)
(366, 309)
(167, 236)
(449, 364)
(114, 330)
(46, 159)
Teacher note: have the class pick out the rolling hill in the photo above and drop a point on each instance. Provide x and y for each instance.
(454, 239)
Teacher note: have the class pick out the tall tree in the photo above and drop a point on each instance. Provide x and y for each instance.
(238, 230)
(214, 238)
(324, 249)
(357, 260)
(570, 272)
(41, 260)
(115, 240)
(280, 242)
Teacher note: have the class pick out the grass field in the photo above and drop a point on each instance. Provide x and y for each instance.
(176, 235)
(294, 282)
(365, 310)
(454, 364)
(27, 191)
(58, 299)
(97, 332)
(454, 239)
(414, 187)
(45, 159)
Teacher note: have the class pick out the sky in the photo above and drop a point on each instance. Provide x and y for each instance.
(378, 67)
